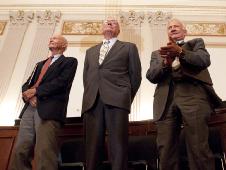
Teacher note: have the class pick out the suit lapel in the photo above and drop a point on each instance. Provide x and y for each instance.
(96, 53)
(52, 66)
(116, 47)
(38, 70)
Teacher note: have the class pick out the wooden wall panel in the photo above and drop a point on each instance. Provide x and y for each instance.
(7, 140)
(74, 129)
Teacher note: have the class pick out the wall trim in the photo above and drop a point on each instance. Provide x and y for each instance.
(2, 27)
(82, 28)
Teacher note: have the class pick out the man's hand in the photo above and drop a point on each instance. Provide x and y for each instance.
(169, 52)
(28, 94)
(33, 101)
(172, 50)
(167, 60)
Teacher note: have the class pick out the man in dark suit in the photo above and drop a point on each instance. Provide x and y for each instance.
(112, 76)
(184, 96)
(46, 95)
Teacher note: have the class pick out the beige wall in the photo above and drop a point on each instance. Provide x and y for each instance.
(142, 29)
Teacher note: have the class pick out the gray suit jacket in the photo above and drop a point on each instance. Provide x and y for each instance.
(194, 62)
(117, 79)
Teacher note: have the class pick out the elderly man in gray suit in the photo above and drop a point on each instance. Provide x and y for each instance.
(112, 76)
(184, 95)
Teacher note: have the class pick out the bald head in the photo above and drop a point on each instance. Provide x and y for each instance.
(58, 44)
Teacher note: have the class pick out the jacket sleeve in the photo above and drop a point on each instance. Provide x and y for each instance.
(86, 66)
(156, 71)
(195, 54)
(134, 70)
(30, 80)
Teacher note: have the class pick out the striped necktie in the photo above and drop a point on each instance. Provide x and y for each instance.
(103, 51)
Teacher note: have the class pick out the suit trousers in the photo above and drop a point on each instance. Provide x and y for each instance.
(113, 119)
(187, 105)
(39, 137)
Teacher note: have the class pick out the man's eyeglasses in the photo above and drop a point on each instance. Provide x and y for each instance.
(112, 22)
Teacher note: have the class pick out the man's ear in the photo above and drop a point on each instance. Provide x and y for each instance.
(185, 32)
(64, 45)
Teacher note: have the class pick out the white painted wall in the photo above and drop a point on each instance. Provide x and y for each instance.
(218, 70)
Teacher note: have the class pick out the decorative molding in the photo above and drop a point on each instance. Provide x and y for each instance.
(206, 29)
(131, 18)
(48, 17)
(82, 43)
(215, 44)
(82, 28)
(159, 17)
(2, 26)
(20, 17)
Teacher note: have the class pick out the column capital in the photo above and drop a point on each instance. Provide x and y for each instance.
(159, 17)
(131, 18)
(20, 17)
(48, 17)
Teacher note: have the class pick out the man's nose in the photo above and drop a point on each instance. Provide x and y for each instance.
(173, 30)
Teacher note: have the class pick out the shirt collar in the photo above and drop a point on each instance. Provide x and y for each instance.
(180, 42)
(56, 56)
(111, 41)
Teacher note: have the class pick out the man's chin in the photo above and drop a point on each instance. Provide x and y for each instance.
(176, 38)
(108, 34)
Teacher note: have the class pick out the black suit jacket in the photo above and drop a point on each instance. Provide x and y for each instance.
(117, 79)
(194, 63)
(54, 88)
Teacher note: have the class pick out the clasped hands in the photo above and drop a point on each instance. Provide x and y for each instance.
(29, 96)
(169, 52)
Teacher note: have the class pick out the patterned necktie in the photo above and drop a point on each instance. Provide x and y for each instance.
(43, 71)
(103, 51)
(176, 62)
